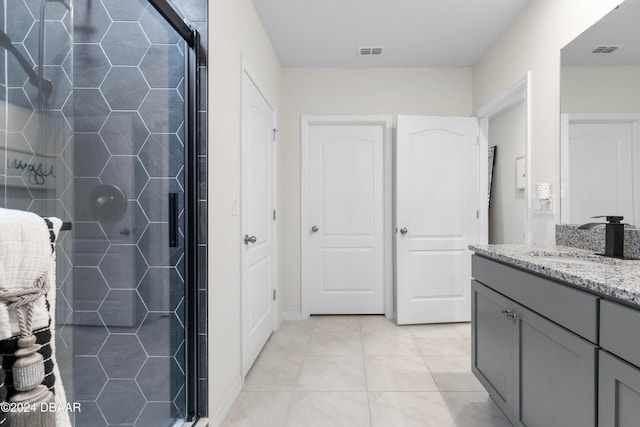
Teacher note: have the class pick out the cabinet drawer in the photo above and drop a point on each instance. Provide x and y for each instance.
(619, 332)
(571, 308)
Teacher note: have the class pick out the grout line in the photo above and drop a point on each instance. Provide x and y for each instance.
(366, 377)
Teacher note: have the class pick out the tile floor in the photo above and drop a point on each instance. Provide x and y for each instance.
(354, 371)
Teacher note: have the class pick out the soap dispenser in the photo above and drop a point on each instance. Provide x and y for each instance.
(614, 235)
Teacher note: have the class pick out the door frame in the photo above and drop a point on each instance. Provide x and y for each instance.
(244, 152)
(516, 93)
(566, 119)
(305, 241)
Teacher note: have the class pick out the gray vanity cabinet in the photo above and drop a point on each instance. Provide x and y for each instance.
(555, 374)
(619, 391)
(537, 372)
(619, 375)
(493, 345)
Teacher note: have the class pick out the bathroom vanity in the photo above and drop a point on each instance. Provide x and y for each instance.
(556, 335)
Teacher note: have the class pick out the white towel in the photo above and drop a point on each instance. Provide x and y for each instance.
(25, 254)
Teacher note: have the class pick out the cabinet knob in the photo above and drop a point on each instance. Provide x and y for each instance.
(509, 314)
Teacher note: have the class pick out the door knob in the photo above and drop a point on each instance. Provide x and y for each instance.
(404, 230)
(249, 239)
(314, 229)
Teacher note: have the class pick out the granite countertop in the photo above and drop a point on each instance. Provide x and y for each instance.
(617, 278)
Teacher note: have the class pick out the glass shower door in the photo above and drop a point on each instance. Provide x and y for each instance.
(129, 156)
(93, 131)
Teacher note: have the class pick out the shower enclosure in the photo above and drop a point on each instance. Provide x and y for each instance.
(99, 121)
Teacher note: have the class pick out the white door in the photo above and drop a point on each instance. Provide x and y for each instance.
(258, 222)
(437, 202)
(600, 171)
(343, 234)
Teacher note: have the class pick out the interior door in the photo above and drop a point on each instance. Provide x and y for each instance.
(258, 222)
(344, 269)
(437, 202)
(600, 171)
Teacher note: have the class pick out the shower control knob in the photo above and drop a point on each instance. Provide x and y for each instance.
(404, 230)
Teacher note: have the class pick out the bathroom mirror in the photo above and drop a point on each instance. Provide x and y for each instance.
(600, 119)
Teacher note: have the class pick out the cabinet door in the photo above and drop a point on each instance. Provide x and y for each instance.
(493, 344)
(555, 384)
(618, 392)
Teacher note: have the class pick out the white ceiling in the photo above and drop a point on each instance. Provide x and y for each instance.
(621, 27)
(415, 33)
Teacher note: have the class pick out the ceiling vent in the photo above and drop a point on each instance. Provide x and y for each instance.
(370, 50)
(605, 49)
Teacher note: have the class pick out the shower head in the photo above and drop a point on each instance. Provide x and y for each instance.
(45, 85)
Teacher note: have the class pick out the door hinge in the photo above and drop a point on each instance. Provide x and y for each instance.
(275, 133)
(274, 214)
(478, 140)
(274, 294)
(477, 214)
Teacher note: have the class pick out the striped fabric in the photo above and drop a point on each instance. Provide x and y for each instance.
(8, 348)
(27, 243)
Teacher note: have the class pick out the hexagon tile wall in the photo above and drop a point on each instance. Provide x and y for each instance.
(116, 102)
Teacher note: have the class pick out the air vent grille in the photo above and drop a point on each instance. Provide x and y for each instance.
(605, 49)
(370, 50)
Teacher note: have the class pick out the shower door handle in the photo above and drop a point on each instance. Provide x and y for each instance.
(173, 220)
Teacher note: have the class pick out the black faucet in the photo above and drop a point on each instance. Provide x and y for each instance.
(614, 235)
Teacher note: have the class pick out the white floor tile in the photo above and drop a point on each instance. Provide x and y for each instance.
(337, 324)
(474, 409)
(371, 323)
(398, 373)
(301, 326)
(259, 409)
(453, 373)
(274, 373)
(454, 345)
(465, 330)
(332, 373)
(389, 344)
(357, 371)
(409, 409)
(328, 409)
(436, 330)
(335, 344)
(287, 343)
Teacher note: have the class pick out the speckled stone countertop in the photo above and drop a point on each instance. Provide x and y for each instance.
(617, 278)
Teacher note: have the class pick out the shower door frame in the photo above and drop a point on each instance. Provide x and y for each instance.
(191, 214)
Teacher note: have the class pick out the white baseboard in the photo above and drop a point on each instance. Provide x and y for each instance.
(293, 315)
(227, 404)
